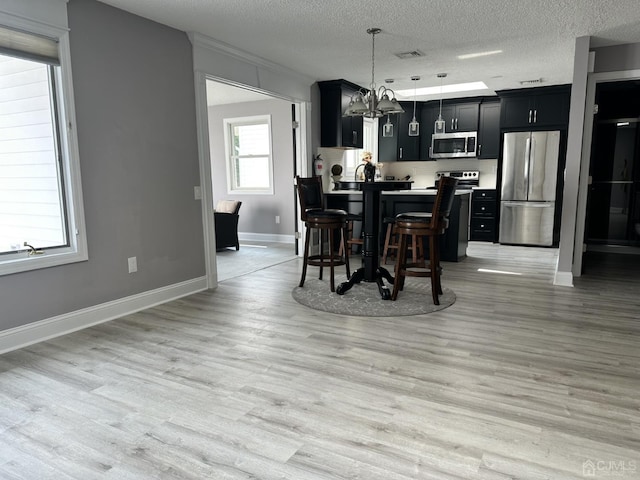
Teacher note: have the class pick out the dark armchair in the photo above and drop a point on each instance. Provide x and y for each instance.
(226, 221)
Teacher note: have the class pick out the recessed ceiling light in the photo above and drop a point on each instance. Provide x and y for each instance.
(411, 54)
(454, 88)
(478, 54)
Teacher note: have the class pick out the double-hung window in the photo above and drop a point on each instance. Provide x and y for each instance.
(249, 160)
(41, 220)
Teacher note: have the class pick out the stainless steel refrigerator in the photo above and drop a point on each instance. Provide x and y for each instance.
(528, 192)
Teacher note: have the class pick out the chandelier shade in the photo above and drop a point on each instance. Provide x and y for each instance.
(373, 103)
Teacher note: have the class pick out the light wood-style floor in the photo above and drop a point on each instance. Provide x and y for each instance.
(517, 380)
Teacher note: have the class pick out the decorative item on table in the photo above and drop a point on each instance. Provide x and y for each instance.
(336, 174)
(369, 167)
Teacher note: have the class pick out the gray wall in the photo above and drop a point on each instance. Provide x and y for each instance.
(135, 109)
(258, 212)
(617, 58)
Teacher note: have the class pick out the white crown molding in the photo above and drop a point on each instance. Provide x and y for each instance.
(204, 41)
(35, 332)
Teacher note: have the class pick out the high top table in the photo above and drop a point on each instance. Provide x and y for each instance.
(371, 271)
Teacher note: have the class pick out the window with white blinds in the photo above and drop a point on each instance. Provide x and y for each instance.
(31, 206)
(249, 162)
(40, 208)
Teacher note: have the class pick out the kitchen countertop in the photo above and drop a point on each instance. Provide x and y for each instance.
(413, 191)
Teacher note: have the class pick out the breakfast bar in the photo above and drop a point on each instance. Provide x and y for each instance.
(453, 246)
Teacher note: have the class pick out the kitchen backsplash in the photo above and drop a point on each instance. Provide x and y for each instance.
(422, 173)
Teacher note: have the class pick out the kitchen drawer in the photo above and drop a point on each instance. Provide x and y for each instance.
(483, 209)
(483, 229)
(479, 195)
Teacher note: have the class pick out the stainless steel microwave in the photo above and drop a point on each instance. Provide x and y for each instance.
(454, 145)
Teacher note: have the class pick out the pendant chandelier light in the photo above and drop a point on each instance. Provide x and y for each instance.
(372, 103)
(414, 126)
(387, 128)
(440, 123)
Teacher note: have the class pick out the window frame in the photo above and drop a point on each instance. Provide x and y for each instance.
(76, 251)
(228, 125)
(353, 157)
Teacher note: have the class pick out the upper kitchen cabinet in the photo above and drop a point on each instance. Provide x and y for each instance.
(337, 130)
(428, 117)
(460, 116)
(535, 107)
(388, 146)
(401, 146)
(489, 129)
(408, 146)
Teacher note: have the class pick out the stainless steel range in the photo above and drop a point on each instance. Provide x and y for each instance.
(466, 178)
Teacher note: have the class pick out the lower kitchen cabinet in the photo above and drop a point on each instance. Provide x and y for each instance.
(483, 215)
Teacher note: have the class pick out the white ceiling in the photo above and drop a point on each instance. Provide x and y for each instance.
(327, 39)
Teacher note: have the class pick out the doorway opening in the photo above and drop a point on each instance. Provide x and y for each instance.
(267, 222)
(613, 202)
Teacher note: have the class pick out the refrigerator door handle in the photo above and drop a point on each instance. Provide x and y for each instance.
(531, 165)
(529, 204)
(525, 177)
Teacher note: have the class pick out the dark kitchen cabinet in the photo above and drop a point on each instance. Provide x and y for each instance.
(483, 215)
(408, 147)
(428, 117)
(460, 117)
(400, 146)
(535, 107)
(388, 146)
(489, 130)
(337, 130)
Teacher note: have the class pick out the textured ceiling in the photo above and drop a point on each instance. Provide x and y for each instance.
(327, 39)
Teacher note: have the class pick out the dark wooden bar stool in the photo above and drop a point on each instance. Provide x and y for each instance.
(351, 240)
(391, 245)
(424, 224)
(326, 221)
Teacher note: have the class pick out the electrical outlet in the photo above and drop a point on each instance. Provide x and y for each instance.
(197, 192)
(133, 264)
(277, 218)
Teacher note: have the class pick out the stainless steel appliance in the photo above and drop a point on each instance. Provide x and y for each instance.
(528, 193)
(466, 178)
(454, 145)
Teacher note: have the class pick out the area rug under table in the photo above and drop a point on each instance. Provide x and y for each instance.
(364, 300)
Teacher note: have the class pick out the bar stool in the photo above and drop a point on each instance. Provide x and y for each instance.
(351, 240)
(391, 242)
(424, 224)
(326, 221)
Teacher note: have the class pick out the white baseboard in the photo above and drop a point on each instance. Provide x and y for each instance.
(265, 237)
(35, 332)
(563, 279)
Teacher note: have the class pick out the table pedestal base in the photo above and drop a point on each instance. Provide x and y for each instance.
(358, 276)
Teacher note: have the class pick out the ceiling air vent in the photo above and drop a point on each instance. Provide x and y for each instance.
(411, 54)
(535, 81)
